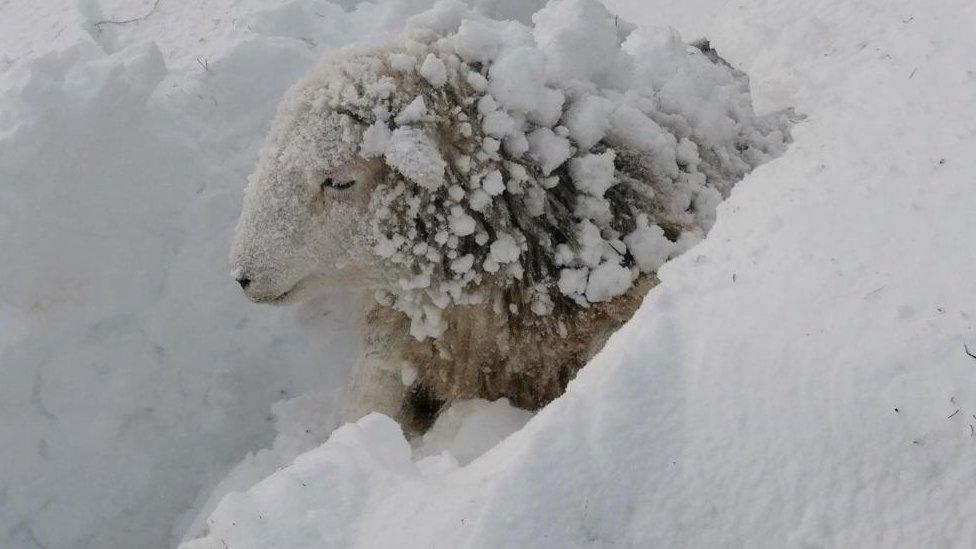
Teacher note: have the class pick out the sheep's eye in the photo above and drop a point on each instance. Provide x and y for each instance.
(331, 184)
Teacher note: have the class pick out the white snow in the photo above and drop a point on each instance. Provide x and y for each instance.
(468, 429)
(593, 174)
(376, 139)
(493, 183)
(434, 71)
(581, 42)
(648, 245)
(798, 379)
(607, 281)
(416, 111)
(414, 154)
(549, 149)
(588, 120)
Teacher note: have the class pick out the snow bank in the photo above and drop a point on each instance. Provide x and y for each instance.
(798, 379)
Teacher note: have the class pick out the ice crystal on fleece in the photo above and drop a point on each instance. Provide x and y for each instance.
(549, 164)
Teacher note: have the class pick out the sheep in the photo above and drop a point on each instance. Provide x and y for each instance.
(496, 226)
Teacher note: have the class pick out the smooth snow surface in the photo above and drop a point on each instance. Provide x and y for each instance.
(798, 379)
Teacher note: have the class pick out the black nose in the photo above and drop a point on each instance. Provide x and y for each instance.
(244, 282)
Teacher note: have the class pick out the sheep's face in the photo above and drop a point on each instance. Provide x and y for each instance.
(303, 227)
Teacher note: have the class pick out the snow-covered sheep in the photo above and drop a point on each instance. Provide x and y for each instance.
(501, 196)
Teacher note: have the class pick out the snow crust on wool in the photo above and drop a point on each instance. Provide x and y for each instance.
(517, 151)
(134, 374)
(807, 358)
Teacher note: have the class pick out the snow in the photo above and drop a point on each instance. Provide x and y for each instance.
(588, 120)
(498, 124)
(606, 282)
(649, 245)
(376, 139)
(581, 42)
(517, 81)
(414, 154)
(468, 429)
(593, 174)
(794, 380)
(504, 249)
(549, 149)
(414, 112)
(493, 184)
(434, 71)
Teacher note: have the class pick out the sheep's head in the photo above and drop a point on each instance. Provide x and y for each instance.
(303, 226)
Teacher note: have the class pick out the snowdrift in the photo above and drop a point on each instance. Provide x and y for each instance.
(798, 379)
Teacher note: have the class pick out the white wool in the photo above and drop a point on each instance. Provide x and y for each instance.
(414, 112)
(549, 149)
(414, 154)
(376, 138)
(588, 120)
(607, 281)
(434, 71)
(593, 174)
(648, 245)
